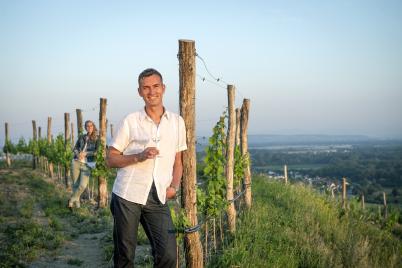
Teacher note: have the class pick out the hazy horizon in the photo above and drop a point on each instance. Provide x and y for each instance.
(308, 67)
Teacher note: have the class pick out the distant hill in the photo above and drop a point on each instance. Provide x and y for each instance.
(263, 140)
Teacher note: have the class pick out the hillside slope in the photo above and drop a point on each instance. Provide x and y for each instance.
(292, 226)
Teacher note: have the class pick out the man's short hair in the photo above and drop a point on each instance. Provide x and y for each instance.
(148, 72)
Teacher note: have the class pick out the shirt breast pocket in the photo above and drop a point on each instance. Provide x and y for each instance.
(139, 141)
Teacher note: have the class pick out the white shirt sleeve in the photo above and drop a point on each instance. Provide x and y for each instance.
(182, 136)
(121, 137)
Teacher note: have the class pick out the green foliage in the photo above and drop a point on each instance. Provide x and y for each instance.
(215, 160)
(9, 148)
(240, 163)
(180, 221)
(58, 152)
(22, 146)
(101, 169)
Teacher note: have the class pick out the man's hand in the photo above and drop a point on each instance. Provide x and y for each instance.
(116, 159)
(149, 153)
(170, 192)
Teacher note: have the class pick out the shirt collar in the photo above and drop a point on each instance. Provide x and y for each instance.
(143, 114)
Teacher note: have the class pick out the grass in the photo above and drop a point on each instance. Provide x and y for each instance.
(292, 226)
(75, 262)
(24, 235)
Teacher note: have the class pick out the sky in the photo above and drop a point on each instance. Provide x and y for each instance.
(308, 67)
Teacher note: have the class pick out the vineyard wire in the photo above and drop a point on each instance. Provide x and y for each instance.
(203, 79)
(197, 227)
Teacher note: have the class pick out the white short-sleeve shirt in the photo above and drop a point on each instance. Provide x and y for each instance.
(136, 132)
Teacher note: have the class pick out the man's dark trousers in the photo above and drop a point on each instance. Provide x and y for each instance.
(157, 223)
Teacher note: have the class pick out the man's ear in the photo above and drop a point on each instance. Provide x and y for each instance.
(139, 92)
(163, 88)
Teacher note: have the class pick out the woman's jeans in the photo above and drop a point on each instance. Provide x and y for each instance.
(80, 174)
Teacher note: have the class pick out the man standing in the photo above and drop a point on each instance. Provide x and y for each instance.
(146, 149)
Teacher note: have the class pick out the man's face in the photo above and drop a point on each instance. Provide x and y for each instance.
(151, 90)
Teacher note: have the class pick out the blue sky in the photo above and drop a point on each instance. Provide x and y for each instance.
(309, 67)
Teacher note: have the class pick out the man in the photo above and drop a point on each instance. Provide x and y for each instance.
(146, 150)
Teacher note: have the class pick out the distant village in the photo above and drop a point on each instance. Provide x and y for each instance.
(322, 184)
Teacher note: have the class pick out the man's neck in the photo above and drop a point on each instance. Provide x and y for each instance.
(155, 113)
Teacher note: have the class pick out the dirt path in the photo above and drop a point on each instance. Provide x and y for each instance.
(84, 251)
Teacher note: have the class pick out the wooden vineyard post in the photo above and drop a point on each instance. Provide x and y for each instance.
(285, 171)
(40, 158)
(385, 205)
(238, 116)
(111, 131)
(206, 242)
(49, 141)
(244, 150)
(72, 136)
(344, 183)
(35, 140)
(8, 158)
(362, 201)
(230, 210)
(102, 181)
(79, 122)
(237, 147)
(192, 243)
(66, 141)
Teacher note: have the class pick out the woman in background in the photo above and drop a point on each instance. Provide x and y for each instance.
(84, 159)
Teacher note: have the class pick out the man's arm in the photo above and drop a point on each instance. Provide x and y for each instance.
(116, 159)
(177, 174)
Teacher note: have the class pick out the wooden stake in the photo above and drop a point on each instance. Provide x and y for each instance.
(344, 193)
(385, 205)
(362, 202)
(206, 242)
(49, 141)
(285, 171)
(238, 117)
(35, 139)
(66, 140)
(187, 75)
(8, 158)
(111, 131)
(244, 150)
(72, 135)
(80, 128)
(102, 181)
(40, 132)
(214, 232)
(221, 228)
(231, 135)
